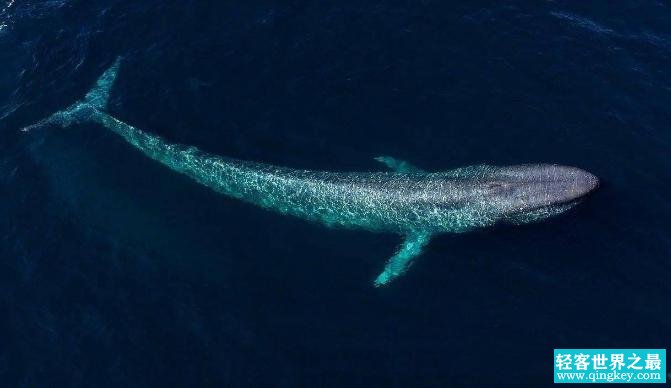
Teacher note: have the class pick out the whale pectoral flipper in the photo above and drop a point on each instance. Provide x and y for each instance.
(398, 165)
(399, 263)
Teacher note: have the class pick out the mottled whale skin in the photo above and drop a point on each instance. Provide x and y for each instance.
(405, 200)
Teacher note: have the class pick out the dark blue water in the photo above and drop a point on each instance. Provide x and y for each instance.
(115, 271)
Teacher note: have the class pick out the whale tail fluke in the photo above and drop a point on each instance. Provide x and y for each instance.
(96, 100)
(99, 95)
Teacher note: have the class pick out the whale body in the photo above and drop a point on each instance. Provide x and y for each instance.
(406, 200)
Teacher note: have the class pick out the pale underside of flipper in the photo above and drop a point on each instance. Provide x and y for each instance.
(398, 264)
(397, 164)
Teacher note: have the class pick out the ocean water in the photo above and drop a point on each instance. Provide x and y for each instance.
(115, 271)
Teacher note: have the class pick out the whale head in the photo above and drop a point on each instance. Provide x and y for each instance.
(528, 193)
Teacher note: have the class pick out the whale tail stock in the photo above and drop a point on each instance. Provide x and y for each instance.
(96, 100)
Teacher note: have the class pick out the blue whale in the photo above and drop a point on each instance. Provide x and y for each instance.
(405, 199)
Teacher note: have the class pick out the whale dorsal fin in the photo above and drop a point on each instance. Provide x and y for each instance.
(397, 164)
(398, 264)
